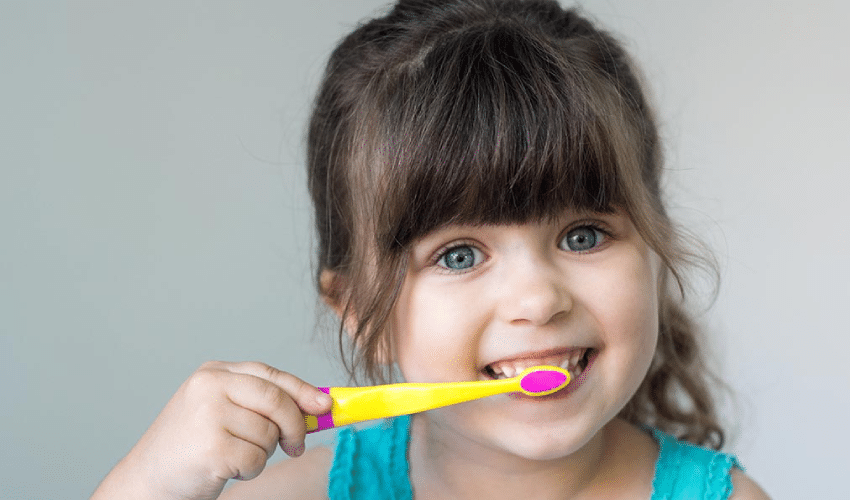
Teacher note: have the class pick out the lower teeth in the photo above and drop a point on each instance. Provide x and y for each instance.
(575, 373)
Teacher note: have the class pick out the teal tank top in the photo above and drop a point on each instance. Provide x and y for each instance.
(372, 463)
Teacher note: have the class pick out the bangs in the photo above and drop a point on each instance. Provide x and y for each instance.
(493, 126)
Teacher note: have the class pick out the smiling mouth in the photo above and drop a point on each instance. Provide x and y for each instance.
(574, 361)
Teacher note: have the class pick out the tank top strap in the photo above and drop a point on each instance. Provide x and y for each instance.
(372, 463)
(684, 470)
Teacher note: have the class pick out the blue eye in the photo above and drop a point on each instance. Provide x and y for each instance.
(459, 258)
(582, 239)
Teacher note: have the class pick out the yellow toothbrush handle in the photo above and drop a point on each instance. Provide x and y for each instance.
(356, 404)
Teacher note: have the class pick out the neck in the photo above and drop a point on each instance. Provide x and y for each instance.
(446, 465)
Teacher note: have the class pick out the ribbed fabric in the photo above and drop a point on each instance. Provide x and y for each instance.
(372, 463)
(686, 471)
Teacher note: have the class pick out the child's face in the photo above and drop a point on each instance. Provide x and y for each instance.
(479, 300)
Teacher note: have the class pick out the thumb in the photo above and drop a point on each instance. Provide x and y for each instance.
(322, 401)
(309, 398)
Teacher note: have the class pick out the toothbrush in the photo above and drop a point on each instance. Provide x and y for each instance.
(357, 404)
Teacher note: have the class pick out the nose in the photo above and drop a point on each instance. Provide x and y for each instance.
(535, 292)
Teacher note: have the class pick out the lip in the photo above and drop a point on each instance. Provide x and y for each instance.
(572, 387)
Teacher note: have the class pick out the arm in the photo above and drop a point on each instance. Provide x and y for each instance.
(744, 488)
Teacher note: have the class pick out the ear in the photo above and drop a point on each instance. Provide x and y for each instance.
(332, 288)
(335, 292)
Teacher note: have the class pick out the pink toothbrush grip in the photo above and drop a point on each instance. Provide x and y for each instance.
(325, 420)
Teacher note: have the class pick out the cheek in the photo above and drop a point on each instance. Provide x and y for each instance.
(433, 334)
(628, 305)
(640, 319)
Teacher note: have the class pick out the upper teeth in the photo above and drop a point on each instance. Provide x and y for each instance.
(569, 361)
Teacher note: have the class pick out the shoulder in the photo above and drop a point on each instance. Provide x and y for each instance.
(744, 488)
(305, 477)
(690, 471)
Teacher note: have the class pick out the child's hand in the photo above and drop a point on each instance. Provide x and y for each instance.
(224, 422)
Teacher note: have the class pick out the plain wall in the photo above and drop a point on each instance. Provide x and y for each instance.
(153, 213)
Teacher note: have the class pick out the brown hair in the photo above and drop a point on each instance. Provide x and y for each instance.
(489, 111)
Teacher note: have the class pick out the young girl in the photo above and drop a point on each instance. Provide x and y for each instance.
(485, 175)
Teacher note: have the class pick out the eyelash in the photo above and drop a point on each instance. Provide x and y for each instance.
(442, 252)
(593, 225)
(607, 235)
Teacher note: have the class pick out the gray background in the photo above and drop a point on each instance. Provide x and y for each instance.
(153, 213)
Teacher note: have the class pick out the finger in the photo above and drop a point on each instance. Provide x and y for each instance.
(253, 428)
(246, 460)
(308, 397)
(271, 401)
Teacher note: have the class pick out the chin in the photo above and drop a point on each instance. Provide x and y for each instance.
(542, 443)
(541, 450)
